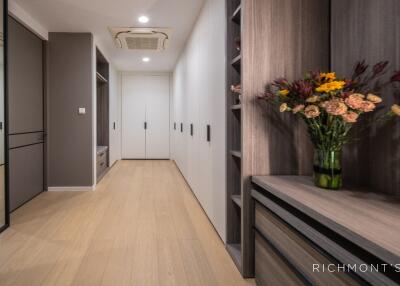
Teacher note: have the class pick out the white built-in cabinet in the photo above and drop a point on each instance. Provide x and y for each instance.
(199, 99)
(145, 116)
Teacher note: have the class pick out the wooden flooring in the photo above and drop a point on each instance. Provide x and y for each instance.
(142, 226)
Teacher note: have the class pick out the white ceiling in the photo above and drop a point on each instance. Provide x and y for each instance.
(97, 15)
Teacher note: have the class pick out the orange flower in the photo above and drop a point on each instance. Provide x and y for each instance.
(367, 106)
(374, 98)
(396, 109)
(336, 107)
(350, 117)
(298, 108)
(312, 111)
(313, 99)
(355, 100)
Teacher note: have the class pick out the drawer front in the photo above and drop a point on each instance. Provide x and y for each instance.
(270, 268)
(102, 155)
(299, 252)
(101, 163)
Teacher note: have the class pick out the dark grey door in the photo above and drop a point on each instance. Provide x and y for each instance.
(26, 126)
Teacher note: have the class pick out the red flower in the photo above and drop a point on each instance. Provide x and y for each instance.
(395, 77)
(379, 68)
(359, 69)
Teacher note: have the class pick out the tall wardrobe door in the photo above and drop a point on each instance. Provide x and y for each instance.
(26, 129)
(134, 89)
(157, 117)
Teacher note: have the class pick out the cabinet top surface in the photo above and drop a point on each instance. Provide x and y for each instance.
(370, 220)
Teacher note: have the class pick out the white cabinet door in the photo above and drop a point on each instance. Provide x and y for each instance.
(157, 117)
(133, 117)
(145, 117)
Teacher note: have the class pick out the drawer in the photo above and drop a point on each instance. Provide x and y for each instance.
(270, 268)
(298, 252)
(102, 155)
(101, 163)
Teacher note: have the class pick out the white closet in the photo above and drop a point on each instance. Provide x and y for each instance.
(145, 116)
(199, 100)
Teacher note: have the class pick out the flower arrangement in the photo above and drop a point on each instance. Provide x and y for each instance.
(330, 106)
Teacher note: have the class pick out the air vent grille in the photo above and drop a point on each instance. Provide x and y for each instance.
(155, 39)
(142, 43)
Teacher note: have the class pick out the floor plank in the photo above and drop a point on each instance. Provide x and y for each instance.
(141, 226)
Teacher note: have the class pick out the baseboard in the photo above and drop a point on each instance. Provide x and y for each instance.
(71, 189)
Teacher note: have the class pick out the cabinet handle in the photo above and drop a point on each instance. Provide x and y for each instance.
(114, 125)
(191, 129)
(181, 127)
(145, 125)
(208, 133)
(174, 125)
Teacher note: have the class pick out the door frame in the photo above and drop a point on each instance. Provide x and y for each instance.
(6, 143)
(134, 73)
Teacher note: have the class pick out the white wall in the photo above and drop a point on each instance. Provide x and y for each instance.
(199, 98)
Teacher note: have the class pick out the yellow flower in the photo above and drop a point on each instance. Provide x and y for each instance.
(284, 92)
(374, 98)
(330, 76)
(283, 107)
(396, 109)
(330, 86)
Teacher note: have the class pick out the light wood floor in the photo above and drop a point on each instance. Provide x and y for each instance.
(142, 226)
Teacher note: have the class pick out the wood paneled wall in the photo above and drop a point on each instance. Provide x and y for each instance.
(370, 29)
(280, 38)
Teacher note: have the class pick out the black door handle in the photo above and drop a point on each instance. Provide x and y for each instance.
(145, 125)
(208, 133)
(181, 127)
(191, 129)
(114, 125)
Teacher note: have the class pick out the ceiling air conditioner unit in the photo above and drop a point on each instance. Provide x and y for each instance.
(155, 39)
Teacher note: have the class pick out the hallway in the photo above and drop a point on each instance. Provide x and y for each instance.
(142, 226)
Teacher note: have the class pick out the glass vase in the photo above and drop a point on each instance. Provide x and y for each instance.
(327, 169)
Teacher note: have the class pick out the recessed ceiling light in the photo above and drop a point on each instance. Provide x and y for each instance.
(146, 59)
(143, 19)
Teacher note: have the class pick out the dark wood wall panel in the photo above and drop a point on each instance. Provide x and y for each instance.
(281, 38)
(284, 38)
(370, 29)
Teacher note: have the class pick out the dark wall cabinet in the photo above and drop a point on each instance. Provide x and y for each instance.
(26, 132)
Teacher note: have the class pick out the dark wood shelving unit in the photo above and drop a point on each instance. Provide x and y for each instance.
(101, 78)
(236, 154)
(237, 199)
(236, 61)
(102, 114)
(236, 17)
(236, 107)
(234, 110)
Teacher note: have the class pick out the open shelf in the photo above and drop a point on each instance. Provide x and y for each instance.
(236, 107)
(236, 154)
(101, 78)
(236, 60)
(237, 15)
(237, 199)
(235, 251)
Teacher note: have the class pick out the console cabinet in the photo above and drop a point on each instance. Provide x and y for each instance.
(308, 236)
